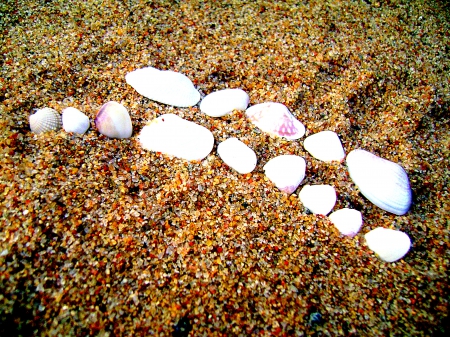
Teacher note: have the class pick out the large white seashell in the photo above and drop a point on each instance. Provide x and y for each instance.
(164, 86)
(223, 102)
(319, 199)
(237, 155)
(389, 244)
(175, 136)
(275, 119)
(45, 119)
(325, 146)
(114, 121)
(74, 120)
(286, 172)
(383, 182)
(347, 221)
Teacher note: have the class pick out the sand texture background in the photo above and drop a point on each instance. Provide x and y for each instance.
(100, 237)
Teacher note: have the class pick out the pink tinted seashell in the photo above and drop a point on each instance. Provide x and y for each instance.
(286, 172)
(275, 118)
(114, 121)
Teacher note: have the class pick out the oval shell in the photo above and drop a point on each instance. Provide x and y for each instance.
(348, 221)
(286, 172)
(114, 121)
(223, 102)
(44, 120)
(319, 199)
(325, 146)
(389, 244)
(237, 155)
(74, 120)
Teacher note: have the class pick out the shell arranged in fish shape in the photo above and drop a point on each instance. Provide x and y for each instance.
(114, 121)
(383, 182)
(45, 119)
(390, 245)
(275, 118)
(286, 172)
(74, 120)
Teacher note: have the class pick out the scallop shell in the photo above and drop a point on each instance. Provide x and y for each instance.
(275, 119)
(389, 244)
(237, 155)
(73, 120)
(383, 182)
(347, 221)
(44, 120)
(325, 146)
(286, 172)
(319, 199)
(114, 121)
(223, 102)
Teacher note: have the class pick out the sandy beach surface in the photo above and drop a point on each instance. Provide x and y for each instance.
(100, 237)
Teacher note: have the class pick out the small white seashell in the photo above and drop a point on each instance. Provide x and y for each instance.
(164, 86)
(325, 146)
(275, 119)
(389, 244)
(383, 182)
(175, 136)
(74, 120)
(114, 121)
(286, 172)
(223, 102)
(45, 119)
(237, 155)
(319, 199)
(347, 221)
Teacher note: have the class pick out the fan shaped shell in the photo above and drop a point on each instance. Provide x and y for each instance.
(44, 120)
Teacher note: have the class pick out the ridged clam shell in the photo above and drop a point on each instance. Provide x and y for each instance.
(74, 120)
(286, 172)
(319, 199)
(164, 86)
(325, 146)
(175, 136)
(275, 119)
(114, 121)
(237, 155)
(383, 182)
(45, 119)
(223, 102)
(389, 244)
(347, 221)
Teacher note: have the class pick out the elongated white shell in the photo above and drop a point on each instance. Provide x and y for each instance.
(286, 172)
(74, 120)
(389, 244)
(237, 155)
(114, 121)
(164, 86)
(347, 221)
(325, 146)
(175, 136)
(383, 182)
(319, 199)
(45, 119)
(223, 102)
(275, 119)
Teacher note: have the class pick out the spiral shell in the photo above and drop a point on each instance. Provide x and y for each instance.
(45, 119)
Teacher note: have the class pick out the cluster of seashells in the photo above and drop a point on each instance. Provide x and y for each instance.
(381, 181)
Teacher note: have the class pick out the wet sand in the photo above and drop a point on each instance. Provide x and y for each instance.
(100, 237)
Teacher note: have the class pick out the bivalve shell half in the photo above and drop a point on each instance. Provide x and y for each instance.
(383, 182)
(223, 102)
(175, 136)
(45, 119)
(237, 155)
(73, 120)
(164, 86)
(325, 146)
(347, 221)
(286, 172)
(319, 199)
(389, 244)
(114, 121)
(275, 119)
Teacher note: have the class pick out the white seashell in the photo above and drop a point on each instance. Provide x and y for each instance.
(286, 172)
(223, 102)
(275, 119)
(347, 221)
(389, 244)
(45, 119)
(175, 136)
(383, 182)
(73, 120)
(325, 146)
(114, 121)
(319, 199)
(237, 155)
(164, 86)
